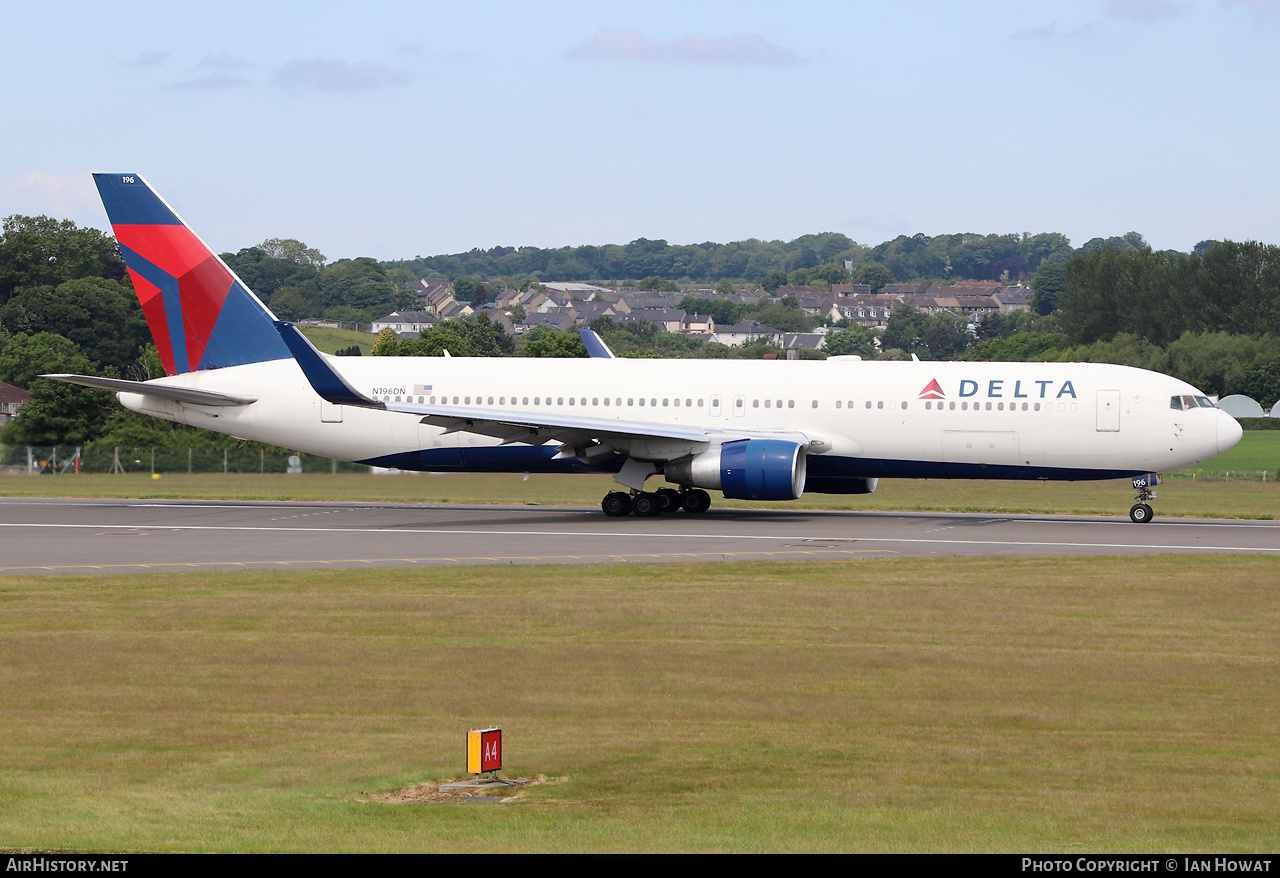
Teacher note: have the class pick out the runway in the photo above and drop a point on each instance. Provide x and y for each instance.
(48, 536)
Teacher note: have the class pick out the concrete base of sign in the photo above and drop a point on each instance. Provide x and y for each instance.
(484, 782)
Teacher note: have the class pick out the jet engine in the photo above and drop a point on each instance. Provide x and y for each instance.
(746, 469)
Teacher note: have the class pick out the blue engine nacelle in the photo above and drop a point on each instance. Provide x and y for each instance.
(747, 469)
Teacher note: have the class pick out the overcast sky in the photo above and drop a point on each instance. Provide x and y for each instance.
(397, 129)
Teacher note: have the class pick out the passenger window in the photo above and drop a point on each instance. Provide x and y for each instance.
(768, 403)
(879, 404)
(868, 403)
(904, 405)
(755, 403)
(837, 403)
(791, 403)
(815, 403)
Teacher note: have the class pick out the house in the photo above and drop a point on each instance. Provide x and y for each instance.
(666, 319)
(11, 399)
(747, 332)
(404, 321)
(698, 324)
(865, 309)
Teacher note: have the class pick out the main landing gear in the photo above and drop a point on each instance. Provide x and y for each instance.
(1141, 513)
(643, 503)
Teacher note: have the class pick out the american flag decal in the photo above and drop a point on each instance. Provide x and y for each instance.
(422, 388)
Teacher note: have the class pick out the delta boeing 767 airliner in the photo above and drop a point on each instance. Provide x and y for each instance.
(755, 430)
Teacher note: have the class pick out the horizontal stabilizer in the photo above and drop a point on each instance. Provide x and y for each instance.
(162, 391)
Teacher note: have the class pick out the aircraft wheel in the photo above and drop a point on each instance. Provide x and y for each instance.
(1141, 513)
(669, 498)
(696, 501)
(646, 505)
(616, 504)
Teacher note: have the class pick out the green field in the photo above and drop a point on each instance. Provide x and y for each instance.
(333, 340)
(1028, 705)
(1231, 485)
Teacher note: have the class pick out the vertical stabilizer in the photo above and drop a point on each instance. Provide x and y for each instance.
(201, 315)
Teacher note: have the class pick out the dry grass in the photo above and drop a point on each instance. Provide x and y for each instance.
(966, 704)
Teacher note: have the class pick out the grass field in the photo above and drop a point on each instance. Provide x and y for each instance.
(333, 340)
(1227, 486)
(1178, 497)
(1055, 705)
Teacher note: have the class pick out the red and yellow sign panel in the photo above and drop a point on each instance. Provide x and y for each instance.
(484, 750)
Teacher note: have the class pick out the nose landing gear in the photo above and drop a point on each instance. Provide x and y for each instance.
(1141, 513)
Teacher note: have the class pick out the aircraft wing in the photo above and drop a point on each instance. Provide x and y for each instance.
(163, 391)
(578, 434)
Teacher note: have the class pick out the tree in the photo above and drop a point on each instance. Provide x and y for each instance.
(291, 250)
(387, 344)
(875, 275)
(771, 281)
(545, 342)
(904, 328)
(41, 251)
(362, 284)
(1048, 285)
(852, 340)
(658, 284)
(58, 413)
(724, 312)
(100, 316)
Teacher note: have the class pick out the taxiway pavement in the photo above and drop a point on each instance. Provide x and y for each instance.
(124, 536)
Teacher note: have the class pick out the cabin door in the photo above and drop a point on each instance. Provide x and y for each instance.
(1108, 411)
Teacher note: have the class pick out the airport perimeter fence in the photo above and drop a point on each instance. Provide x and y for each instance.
(1233, 475)
(164, 460)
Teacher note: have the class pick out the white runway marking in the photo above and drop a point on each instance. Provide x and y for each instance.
(642, 535)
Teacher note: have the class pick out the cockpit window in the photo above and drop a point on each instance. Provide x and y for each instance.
(1205, 402)
(1175, 402)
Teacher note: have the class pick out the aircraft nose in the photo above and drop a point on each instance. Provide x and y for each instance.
(1229, 431)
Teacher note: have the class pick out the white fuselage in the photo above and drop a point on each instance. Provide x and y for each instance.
(895, 419)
